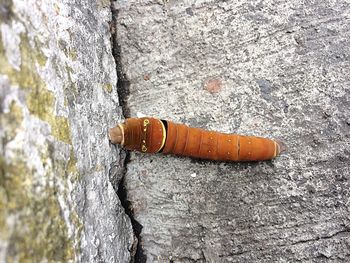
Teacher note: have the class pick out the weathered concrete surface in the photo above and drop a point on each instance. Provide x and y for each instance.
(58, 96)
(275, 69)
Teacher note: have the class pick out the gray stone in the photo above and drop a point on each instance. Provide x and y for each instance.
(284, 68)
(58, 172)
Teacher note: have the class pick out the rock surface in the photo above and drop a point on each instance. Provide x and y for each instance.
(274, 69)
(58, 172)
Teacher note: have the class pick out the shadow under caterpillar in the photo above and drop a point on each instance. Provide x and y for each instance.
(150, 135)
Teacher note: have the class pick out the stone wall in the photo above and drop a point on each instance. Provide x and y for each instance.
(58, 172)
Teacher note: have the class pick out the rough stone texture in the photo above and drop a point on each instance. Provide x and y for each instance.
(284, 72)
(58, 171)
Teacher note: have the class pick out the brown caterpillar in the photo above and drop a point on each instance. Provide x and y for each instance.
(151, 135)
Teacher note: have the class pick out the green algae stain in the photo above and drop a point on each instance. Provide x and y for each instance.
(39, 231)
(108, 87)
(103, 3)
(30, 215)
(60, 129)
(72, 54)
(41, 58)
(39, 99)
(72, 163)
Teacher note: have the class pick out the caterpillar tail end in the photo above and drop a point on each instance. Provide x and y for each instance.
(281, 147)
(116, 135)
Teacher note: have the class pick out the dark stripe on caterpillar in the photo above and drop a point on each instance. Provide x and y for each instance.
(165, 123)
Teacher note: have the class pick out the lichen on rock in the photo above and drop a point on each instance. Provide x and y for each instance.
(39, 99)
(57, 97)
(37, 230)
(33, 226)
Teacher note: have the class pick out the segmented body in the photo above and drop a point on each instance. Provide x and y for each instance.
(154, 135)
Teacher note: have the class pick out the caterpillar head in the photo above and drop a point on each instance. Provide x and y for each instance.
(140, 134)
(116, 135)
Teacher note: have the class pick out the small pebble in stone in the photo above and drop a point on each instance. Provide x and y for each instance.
(213, 85)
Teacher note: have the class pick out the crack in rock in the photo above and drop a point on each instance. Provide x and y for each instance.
(117, 178)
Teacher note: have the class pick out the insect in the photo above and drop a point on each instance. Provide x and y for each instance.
(150, 135)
